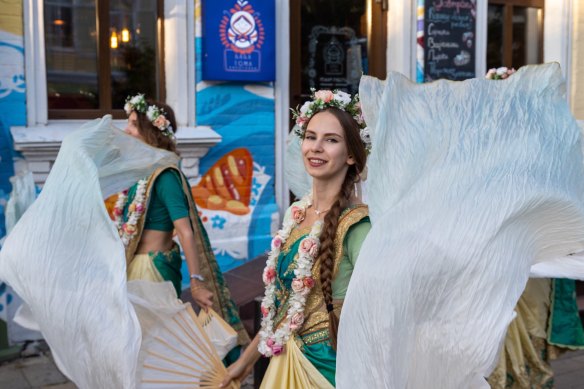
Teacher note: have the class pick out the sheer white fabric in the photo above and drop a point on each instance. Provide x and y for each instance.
(65, 258)
(298, 180)
(470, 184)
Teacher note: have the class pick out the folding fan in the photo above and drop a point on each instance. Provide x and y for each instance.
(176, 351)
(221, 334)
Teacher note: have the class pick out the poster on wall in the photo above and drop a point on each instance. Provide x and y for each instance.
(239, 40)
(449, 39)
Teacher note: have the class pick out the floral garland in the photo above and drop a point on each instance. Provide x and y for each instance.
(136, 209)
(272, 342)
(154, 113)
(323, 99)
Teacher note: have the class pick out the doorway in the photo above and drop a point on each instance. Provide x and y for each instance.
(333, 43)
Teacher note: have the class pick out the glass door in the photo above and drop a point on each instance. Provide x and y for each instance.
(333, 43)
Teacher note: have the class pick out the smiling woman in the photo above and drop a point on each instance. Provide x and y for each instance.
(313, 255)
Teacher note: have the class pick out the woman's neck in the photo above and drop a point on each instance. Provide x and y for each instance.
(324, 194)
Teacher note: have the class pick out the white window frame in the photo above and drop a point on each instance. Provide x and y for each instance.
(179, 62)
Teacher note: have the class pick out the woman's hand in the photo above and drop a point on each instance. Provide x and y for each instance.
(202, 296)
(237, 372)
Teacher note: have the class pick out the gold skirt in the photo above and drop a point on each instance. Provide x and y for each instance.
(523, 362)
(292, 370)
(142, 268)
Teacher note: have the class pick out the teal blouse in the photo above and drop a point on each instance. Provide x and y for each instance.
(167, 202)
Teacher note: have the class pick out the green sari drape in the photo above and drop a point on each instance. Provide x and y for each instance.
(313, 338)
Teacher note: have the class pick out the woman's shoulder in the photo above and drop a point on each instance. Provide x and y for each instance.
(167, 179)
(167, 173)
(356, 212)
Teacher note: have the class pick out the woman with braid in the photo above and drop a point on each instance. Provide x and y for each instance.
(148, 213)
(312, 257)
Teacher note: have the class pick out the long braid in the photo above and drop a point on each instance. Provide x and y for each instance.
(327, 249)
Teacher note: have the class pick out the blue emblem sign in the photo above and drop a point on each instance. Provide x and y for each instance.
(239, 40)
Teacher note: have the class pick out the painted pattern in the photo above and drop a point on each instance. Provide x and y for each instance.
(12, 110)
(237, 206)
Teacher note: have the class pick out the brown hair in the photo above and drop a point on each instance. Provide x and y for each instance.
(326, 253)
(151, 134)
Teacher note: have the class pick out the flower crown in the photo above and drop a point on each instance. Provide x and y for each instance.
(324, 99)
(499, 73)
(155, 114)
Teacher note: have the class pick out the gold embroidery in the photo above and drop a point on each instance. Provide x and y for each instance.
(353, 216)
(316, 316)
(315, 337)
(295, 234)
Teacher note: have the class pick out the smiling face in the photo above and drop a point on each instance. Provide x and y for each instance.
(324, 148)
(132, 126)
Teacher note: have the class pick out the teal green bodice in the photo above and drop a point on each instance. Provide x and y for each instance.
(167, 202)
(313, 338)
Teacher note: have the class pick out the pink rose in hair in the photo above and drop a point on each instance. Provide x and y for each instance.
(324, 95)
(265, 311)
(160, 122)
(296, 320)
(269, 275)
(297, 214)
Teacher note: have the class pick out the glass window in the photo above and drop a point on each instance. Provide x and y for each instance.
(515, 33)
(71, 55)
(334, 44)
(133, 59)
(527, 36)
(98, 53)
(495, 36)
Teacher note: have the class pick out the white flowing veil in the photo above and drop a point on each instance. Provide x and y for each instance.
(298, 180)
(470, 184)
(67, 262)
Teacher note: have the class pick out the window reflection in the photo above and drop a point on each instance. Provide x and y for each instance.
(71, 54)
(527, 36)
(495, 37)
(334, 44)
(133, 61)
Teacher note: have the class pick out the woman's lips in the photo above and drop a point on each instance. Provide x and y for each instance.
(316, 162)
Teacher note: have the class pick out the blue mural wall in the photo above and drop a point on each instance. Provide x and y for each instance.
(244, 115)
(12, 112)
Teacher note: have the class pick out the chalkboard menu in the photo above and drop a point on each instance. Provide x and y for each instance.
(449, 39)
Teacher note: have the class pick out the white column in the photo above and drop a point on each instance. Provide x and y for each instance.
(401, 38)
(282, 99)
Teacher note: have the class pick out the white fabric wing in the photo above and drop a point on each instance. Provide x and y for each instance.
(295, 174)
(65, 258)
(471, 183)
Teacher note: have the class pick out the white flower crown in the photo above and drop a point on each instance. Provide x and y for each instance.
(324, 99)
(499, 73)
(154, 113)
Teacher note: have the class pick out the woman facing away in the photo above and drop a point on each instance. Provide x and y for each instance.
(313, 255)
(147, 214)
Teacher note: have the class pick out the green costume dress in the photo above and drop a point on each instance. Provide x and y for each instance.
(547, 323)
(168, 198)
(313, 337)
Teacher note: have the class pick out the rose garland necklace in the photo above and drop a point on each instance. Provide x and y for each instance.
(272, 342)
(136, 209)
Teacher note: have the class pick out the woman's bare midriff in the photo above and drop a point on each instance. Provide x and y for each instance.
(153, 240)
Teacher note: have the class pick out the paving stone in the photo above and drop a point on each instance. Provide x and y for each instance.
(68, 385)
(42, 371)
(12, 377)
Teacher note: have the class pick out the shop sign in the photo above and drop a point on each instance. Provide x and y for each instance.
(239, 40)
